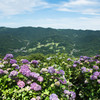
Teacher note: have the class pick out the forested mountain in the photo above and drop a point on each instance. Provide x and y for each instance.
(27, 40)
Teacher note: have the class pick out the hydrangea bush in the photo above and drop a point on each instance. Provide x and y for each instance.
(55, 78)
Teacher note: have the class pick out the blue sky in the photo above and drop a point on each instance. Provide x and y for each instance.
(63, 14)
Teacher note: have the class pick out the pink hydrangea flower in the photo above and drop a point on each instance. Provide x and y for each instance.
(21, 84)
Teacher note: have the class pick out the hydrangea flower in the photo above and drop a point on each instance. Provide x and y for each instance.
(76, 62)
(28, 82)
(95, 67)
(13, 61)
(53, 97)
(96, 73)
(93, 77)
(68, 59)
(34, 75)
(38, 98)
(5, 62)
(1, 71)
(35, 86)
(98, 81)
(67, 92)
(74, 65)
(81, 59)
(40, 78)
(32, 99)
(91, 61)
(44, 70)
(97, 62)
(97, 56)
(25, 61)
(1, 66)
(73, 95)
(13, 73)
(14, 65)
(61, 72)
(51, 70)
(34, 62)
(84, 69)
(8, 56)
(25, 70)
(5, 72)
(21, 84)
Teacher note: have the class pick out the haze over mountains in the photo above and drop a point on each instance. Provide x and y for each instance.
(27, 40)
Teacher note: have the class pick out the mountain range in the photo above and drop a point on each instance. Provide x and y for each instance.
(27, 40)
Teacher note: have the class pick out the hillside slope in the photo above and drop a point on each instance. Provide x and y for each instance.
(26, 40)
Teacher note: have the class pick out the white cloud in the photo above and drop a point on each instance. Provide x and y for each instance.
(91, 7)
(13, 7)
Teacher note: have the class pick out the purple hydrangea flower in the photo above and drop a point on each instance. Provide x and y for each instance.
(8, 56)
(25, 70)
(91, 61)
(93, 77)
(21, 84)
(13, 73)
(97, 62)
(13, 61)
(73, 95)
(51, 70)
(83, 69)
(76, 62)
(34, 75)
(35, 86)
(1, 71)
(16, 66)
(53, 97)
(95, 67)
(25, 61)
(68, 59)
(81, 59)
(74, 65)
(40, 78)
(81, 56)
(34, 62)
(96, 73)
(61, 72)
(67, 92)
(97, 56)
